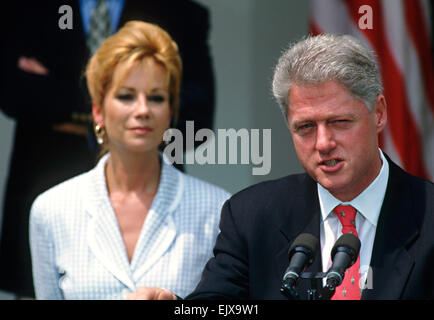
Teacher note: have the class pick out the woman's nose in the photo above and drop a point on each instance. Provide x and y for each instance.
(142, 107)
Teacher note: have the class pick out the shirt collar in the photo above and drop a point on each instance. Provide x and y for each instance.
(368, 203)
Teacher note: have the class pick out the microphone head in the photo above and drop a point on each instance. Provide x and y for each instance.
(304, 242)
(349, 243)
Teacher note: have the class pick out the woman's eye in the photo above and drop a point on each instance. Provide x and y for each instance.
(125, 97)
(157, 98)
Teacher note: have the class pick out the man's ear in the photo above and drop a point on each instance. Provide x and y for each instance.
(380, 110)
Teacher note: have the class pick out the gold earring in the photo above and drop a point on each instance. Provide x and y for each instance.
(99, 133)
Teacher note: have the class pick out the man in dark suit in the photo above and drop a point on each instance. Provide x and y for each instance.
(42, 87)
(330, 92)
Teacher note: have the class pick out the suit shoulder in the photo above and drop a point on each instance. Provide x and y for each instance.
(66, 186)
(259, 208)
(268, 196)
(198, 200)
(423, 191)
(272, 188)
(200, 186)
(61, 195)
(417, 184)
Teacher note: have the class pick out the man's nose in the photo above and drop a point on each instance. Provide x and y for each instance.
(325, 139)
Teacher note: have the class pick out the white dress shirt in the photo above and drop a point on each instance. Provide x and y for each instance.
(368, 205)
(78, 250)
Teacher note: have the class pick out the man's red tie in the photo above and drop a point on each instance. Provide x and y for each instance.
(349, 289)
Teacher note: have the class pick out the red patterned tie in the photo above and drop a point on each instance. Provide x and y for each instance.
(349, 289)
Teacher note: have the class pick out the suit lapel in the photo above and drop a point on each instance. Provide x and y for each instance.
(300, 215)
(103, 235)
(157, 236)
(106, 244)
(391, 263)
(159, 230)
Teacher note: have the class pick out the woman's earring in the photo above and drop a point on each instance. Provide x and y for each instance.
(99, 133)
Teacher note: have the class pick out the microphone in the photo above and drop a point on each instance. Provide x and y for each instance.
(301, 255)
(344, 254)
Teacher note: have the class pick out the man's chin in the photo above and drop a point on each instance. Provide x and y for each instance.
(333, 184)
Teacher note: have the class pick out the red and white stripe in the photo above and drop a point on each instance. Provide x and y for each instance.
(401, 39)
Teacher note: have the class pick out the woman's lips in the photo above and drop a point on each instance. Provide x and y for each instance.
(331, 165)
(141, 130)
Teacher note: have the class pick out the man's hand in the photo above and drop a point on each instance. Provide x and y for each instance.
(32, 65)
(146, 293)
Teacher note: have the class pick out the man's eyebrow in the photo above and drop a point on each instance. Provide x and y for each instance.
(327, 117)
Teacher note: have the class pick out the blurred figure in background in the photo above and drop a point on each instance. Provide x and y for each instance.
(133, 220)
(42, 87)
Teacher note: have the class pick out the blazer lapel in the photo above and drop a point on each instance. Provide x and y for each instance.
(103, 235)
(391, 263)
(158, 235)
(300, 215)
(159, 230)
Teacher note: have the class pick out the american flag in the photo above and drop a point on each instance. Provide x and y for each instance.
(399, 33)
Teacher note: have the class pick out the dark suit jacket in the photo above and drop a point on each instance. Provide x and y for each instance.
(42, 157)
(259, 224)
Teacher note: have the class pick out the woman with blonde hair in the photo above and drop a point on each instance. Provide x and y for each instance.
(133, 220)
